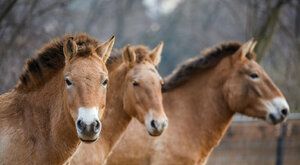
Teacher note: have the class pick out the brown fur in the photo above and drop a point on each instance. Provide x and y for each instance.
(37, 118)
(200, 109)
(124, 101)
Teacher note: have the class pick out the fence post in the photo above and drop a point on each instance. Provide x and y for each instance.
(280, 144)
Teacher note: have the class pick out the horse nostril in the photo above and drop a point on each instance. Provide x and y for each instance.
(284, 112)
(96, 126)
(153, 124)
(80, 124)
(165, 124)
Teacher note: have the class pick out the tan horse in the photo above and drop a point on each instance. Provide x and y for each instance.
(134, 92)
(59, 99)
(201, 97)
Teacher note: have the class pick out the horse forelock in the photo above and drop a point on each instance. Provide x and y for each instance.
(142, 53)
(86, 44)
(116, 59)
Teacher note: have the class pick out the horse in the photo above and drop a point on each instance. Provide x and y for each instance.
(57, 103)
(134, 92)
(200, 98)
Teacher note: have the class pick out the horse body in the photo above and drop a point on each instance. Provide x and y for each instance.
(194, 129)
(200, 108)
(32, 125)
(134, 92)
(37, 117)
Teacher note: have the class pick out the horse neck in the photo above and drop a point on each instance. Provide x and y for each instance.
(47, 111)
(203, 111)
(116, 119)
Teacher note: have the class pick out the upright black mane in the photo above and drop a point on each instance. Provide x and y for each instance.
(210, 58)
(50, 59)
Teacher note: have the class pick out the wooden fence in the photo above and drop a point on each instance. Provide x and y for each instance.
(254, 142)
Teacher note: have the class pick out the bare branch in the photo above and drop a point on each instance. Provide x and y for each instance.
(7, 9)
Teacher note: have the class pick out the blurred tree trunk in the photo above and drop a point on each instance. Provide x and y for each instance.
(94, 14)
(123, 9)
(26, 19)
(120, 20)
(297, 21)
(7, 8)
(252, 10)
(265, 33)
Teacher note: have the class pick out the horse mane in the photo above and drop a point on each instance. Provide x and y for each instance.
(210, 58)
(50, 59)
(116, 57)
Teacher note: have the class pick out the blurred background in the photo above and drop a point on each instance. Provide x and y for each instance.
(187, 27)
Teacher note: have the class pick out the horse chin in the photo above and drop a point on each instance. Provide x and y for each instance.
(88, 141)
(155, 133)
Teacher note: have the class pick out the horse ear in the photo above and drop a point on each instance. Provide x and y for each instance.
(105, 49)
(155, 55)
(129, 56)
(70, 48)
(247, 50)
(253, 46)
(252, 54)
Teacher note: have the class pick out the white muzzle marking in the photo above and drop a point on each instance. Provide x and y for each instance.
(275, 109)
(88, 115)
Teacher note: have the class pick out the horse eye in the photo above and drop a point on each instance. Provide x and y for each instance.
(135, 83)
(253, 75)
(68, 82)
(104, 82)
